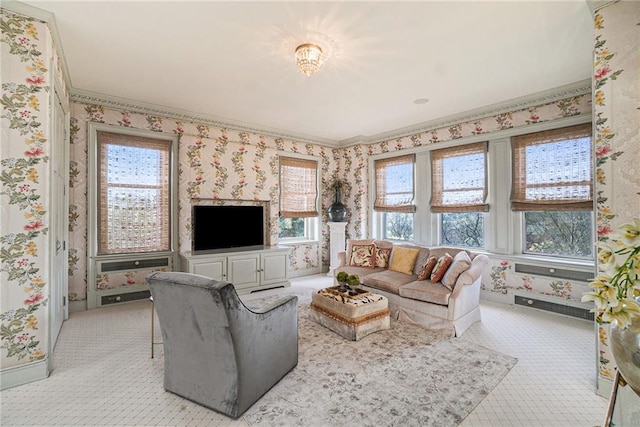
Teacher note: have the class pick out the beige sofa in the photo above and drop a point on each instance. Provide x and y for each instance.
(421, 302)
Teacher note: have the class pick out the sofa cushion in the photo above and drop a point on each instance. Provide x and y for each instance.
(382, 256)
(427, 268)
(388, 280)
(426, 291)
(461, 263)
(403, 259)
(361, 272)
(362, 253)
(423, 254)
(441, 267)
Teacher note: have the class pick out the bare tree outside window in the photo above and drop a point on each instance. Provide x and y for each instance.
(463, 229)
(398, 226)
(292, 227)
(565, 233)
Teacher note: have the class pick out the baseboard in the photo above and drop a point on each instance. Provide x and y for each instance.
(605, 385)
(75, 306)
(496, 297)
(305, 272)
(23, 374)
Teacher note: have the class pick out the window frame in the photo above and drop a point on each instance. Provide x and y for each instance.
(378, 216)
(311, 223)
(93, 189)
(519, 207)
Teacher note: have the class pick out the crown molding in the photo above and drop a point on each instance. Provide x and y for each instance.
(580, 88)
(575, 89)
(108, 101)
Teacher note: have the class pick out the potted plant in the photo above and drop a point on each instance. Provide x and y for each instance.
(616, 294)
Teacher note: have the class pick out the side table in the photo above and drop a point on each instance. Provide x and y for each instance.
(624, 405)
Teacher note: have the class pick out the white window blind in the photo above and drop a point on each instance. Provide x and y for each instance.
(394, 184)
(459, 179)
(552, 170)
(133, 194)
(298, 187)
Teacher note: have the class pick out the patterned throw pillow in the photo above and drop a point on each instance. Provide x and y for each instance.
(427, 268)
(382, 257)
(403, 259)
(362, 255)
(441, 267)
(461, 263)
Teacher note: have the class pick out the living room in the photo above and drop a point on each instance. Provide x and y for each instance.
(241, 153)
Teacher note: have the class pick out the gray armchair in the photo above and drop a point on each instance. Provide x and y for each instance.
(217, 352)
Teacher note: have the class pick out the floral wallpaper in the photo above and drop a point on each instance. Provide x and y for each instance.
(243, 164)
(27, 58)
(230, 166)
(216, 165)
(617, 140)
(500, 277)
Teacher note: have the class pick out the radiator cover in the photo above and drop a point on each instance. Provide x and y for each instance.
(580, 313)
(124, 297)
(559, 273)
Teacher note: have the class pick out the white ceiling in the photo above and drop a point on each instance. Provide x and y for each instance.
(234, 62)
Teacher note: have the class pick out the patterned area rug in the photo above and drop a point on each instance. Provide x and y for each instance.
(404, 376)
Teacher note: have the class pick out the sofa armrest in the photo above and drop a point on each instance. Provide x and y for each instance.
(466, 295)
(342, 258)
(478, 265)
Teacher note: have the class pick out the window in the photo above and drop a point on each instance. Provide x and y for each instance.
(394, 202)
(459, 192)
(298, 198)
(133, 194)
(397, 225)
(552, 185)
(462, 229)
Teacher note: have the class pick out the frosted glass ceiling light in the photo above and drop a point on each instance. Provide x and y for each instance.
(308, 58)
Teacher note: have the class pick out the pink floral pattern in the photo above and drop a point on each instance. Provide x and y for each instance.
(24, 172)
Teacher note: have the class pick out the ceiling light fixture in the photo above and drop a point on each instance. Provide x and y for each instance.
(308, 58)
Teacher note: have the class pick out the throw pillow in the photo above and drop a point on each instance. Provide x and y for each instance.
(461, 263)
(441, 267)
(362, 255)
(403, 259)
(382, 257)
(427, 268)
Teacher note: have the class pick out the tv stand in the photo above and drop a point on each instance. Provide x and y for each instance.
(249, 269)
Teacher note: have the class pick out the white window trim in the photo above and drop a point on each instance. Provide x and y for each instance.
(312, 224)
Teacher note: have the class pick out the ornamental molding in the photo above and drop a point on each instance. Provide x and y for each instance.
(518, 104)
(112, 102)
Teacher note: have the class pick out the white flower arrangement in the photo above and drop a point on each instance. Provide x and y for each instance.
(616, 289)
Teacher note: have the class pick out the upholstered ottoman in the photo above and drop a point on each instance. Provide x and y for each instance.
(352, 317)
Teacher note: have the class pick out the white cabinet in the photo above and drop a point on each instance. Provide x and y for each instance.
(214, 267)
(248, 270)
(244, 271)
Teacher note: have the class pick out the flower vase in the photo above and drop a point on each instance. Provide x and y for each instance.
(625, 346)
(337, 211)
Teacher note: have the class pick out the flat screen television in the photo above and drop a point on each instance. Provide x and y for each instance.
(222, 227)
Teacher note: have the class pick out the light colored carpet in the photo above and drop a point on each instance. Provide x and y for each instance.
(405, 376)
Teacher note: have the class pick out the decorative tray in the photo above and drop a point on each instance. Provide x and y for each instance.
(346, 291)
